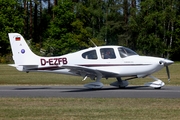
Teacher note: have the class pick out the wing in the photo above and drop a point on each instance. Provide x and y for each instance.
(87, 71)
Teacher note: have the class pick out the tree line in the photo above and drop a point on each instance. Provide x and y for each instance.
(56, 27)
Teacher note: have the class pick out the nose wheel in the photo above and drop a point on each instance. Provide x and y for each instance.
(156, 84)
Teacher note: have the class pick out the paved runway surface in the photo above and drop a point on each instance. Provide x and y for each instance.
(81, 92)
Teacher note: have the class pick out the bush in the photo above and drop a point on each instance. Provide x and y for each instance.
(6, 58)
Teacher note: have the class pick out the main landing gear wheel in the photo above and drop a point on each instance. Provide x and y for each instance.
(95, 85)
(120, 83)
(157, 88)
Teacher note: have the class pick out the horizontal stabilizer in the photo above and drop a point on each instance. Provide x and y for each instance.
(13, 65)
(23, 67)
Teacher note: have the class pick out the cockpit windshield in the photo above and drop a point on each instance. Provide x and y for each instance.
(125, 52)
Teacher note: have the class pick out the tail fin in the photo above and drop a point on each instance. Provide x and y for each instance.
(22, 54)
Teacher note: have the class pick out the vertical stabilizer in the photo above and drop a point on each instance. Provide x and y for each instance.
(22, 54)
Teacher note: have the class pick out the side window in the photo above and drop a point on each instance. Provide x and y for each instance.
(90, 55)
(125, 52)
(107, 53)
(122, 52)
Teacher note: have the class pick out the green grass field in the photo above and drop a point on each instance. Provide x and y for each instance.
(89, 109)
(84, 108)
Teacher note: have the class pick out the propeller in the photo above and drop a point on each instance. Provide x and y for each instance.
(168, 74)
(166, 62)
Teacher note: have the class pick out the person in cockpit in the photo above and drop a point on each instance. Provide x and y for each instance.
(107, 55)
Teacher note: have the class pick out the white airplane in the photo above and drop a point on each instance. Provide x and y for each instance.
(96, 63)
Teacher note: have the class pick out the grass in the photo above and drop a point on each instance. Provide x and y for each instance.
(89, 109)
(84, 108)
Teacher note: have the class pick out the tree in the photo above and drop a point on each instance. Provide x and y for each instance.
(158, 20)
(11, 17)
(175, 48)
(64, 33)
(61, 26)
(102, 19)
(151, 23)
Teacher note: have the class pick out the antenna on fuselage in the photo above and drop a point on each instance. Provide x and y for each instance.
(92, 42)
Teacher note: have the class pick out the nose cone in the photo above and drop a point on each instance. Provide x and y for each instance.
(166, 62)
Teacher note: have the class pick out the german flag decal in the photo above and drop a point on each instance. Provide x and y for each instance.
(17, 38)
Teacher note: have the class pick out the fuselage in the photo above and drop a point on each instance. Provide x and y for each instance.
(121, 60)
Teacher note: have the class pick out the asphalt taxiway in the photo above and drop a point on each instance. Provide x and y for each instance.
(81, 92)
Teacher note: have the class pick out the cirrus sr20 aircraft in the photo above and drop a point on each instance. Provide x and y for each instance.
(95, 63)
